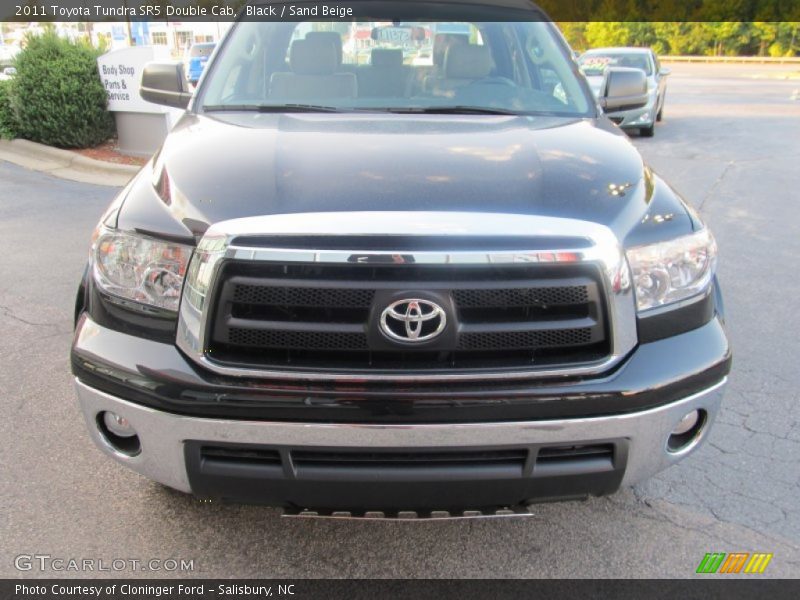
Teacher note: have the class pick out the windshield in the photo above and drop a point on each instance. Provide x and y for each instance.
(470, 67)
(596, 63)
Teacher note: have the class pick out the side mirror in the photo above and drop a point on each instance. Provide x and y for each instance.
(623, 89)
(165, 83)
(665, 71)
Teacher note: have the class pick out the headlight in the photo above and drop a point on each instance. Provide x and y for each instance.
(139, 268)
(672, 271)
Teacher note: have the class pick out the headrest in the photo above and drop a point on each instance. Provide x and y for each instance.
(387, 58)
(443, 41)
(313, 57)
(468, 62)
(331, 37)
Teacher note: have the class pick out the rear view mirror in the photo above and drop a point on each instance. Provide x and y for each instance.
(165, 83)
(398, 34)
(623, 89)
(665, 71)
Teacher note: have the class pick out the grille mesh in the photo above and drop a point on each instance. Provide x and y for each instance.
(521, 297)
(315, 340)
(514, 340)
(302, 296)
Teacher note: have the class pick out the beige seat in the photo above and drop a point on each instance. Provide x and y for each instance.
(315, 74)
(463, 64)
(331, 37)
(442, 42)
(386, 77)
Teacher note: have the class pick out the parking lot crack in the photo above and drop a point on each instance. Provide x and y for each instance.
(658, 513)
(728, 165)
(49, 330)
(8, 312)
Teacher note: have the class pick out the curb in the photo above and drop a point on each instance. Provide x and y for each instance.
(65, 163)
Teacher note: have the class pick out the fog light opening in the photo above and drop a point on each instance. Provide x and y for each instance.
(119, 433)
(687, 432)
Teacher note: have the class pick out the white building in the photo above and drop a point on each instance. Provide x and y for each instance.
(177, 36)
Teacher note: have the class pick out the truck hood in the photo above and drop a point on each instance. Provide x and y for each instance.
(249, 164)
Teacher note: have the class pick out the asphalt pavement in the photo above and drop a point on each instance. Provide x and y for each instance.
(730, 143)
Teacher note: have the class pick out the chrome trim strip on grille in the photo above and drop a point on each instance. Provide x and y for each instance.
(359, 257)
(217, 245)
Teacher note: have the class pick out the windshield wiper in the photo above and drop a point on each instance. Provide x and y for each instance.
(454, 110)
(432, 110)
(270, 108)
(427, 110)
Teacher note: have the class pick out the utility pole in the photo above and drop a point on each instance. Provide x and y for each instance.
(128, 23)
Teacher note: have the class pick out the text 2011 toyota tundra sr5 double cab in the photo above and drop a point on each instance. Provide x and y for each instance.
(354, 279)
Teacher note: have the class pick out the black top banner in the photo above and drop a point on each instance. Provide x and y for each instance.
(404, 10)
(386, 589)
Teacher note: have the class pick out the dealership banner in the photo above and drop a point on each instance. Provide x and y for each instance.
(407, 10)
(386, 589)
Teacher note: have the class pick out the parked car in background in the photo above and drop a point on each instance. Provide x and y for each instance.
(594, 64)
(197, 59)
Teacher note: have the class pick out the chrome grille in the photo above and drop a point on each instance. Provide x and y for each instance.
(496, 264)
(319, 316)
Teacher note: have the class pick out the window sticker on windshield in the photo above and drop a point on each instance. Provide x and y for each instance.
(595, 64)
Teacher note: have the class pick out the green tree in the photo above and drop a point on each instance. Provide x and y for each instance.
(680, 38)
(720, 38)
(765, 34)
(56, 96)
(8, 129)
(787, 40)
(729, 38)
(607, 33)
(574, 33)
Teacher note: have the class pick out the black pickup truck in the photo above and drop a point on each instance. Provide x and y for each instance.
(399, 264)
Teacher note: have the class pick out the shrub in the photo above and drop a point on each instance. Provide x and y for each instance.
(7, 128)
(57, 97)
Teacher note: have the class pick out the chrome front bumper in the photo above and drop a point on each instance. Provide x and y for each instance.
(163, 434)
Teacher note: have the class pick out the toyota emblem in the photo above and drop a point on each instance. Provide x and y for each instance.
(413, 320)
